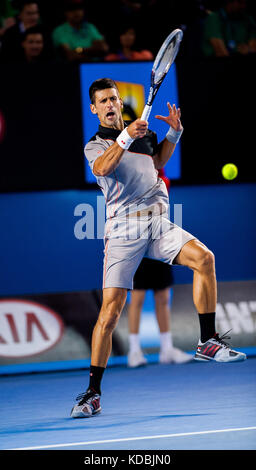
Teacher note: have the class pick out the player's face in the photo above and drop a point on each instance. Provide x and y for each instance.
(108, 107)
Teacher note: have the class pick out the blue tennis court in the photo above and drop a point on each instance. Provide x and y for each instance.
(55, 254)
(192, 406)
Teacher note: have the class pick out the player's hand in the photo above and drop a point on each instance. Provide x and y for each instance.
(173, 119)
(137, 129)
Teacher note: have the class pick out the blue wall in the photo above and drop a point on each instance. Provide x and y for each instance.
(39, 252)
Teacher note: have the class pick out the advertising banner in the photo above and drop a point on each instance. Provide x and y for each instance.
(58, 327)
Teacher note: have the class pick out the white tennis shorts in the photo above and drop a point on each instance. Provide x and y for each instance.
(128, 240)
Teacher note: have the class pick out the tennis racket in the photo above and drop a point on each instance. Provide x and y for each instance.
(163, 61)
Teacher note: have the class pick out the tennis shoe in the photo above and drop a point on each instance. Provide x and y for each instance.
(136, 358)
(215, 349)
(88, 405)
(174, 356)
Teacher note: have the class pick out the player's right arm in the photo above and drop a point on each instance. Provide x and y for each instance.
(110, 159)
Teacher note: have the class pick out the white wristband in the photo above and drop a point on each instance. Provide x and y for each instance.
(173, 136)
(124, 139)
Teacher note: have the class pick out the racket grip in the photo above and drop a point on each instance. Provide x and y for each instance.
(146, 113)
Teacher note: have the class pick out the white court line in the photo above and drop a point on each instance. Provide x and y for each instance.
(141, 438)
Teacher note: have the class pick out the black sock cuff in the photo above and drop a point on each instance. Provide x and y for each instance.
(96, 374)
(97, 369)
(207, 325)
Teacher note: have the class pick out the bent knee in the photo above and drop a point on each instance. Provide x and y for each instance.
(108, 319)
(206, 260)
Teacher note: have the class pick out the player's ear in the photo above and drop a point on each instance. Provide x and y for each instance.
(93, 109)
(122, 103)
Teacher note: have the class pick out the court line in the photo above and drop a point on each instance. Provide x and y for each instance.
(127, 439)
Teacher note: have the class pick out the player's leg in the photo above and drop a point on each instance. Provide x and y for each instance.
(200, 259)
(122, 258)
(112, 305)
(135, 354)
(174, 245)
(168, 353)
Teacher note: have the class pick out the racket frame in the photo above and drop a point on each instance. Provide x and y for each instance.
(154, 87)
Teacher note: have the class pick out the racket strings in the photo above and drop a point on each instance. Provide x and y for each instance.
(166, 60)
(163, 61)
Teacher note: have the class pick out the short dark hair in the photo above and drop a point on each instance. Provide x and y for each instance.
(33, 30)
(101, 84)
(71, 5)
(27, 2)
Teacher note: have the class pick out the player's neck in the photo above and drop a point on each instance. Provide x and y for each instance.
(118, 125)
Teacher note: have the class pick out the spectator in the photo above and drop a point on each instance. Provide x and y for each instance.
(7, 16)
(33, 45)
(131, 7)
(157, 276)
(11, 43)
(229, 30)
(76, 39)
(126, 47)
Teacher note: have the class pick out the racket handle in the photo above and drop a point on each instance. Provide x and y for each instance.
(146, 113)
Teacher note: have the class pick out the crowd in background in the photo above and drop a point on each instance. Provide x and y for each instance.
(123, 30)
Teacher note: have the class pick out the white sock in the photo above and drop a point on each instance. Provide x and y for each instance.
(165, 340)
(134, 342)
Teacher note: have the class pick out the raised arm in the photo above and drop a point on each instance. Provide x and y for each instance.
(167, 146)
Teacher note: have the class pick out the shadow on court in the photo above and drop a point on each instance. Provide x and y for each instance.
(74, 424)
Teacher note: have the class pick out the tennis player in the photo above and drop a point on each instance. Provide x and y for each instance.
(124, 158)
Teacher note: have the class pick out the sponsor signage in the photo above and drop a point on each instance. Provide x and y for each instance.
(235, 311)
(30, 326)
(27, 328)
(239, 317)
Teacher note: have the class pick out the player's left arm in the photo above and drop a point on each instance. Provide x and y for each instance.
(167, 146)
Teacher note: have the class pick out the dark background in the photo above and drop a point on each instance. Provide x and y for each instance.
(218, 102)
(43, 144)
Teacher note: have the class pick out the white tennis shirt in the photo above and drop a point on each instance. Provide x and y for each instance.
(134, 185)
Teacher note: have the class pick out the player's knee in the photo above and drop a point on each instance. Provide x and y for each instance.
(111, 322)
(206, 260)
(109, 319)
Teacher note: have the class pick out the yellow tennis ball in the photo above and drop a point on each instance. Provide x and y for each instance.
(229, 171)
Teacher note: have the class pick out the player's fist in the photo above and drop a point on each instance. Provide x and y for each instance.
(137, 129)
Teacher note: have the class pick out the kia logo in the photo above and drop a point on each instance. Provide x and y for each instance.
(27, 328)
